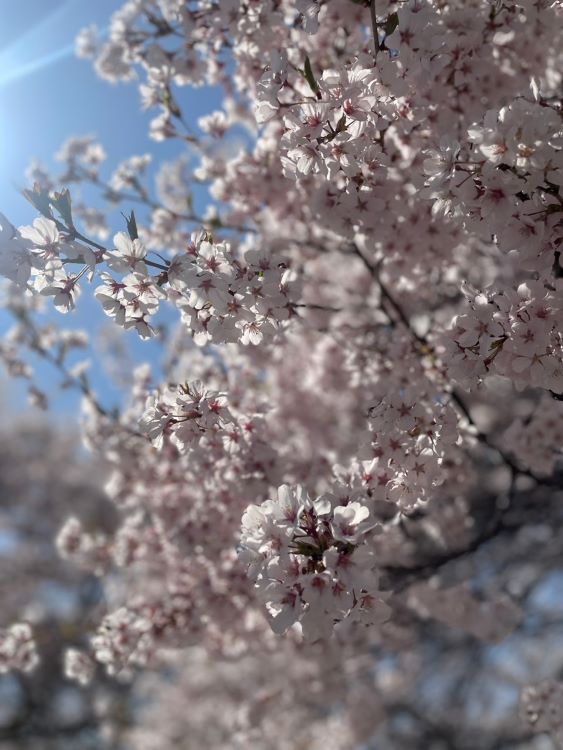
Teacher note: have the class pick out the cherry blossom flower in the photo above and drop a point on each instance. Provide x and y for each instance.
(15, 256)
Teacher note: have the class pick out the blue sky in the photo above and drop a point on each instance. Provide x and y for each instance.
(47, 95)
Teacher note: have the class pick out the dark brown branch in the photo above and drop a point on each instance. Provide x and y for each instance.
(374, 28)
(457, 399)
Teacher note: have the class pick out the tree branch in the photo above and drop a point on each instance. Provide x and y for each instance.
(422, 341)
(374, 28)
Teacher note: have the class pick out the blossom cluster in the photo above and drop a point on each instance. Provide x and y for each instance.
(220, 297)
(536, 439)
(410, 439)
(45, 249)
(541, 709)
(457, 607)
(514, 333)
(78, 666)
(311, 562)
(18, 649)
(187, 414)
(85, 550)
(227, 300)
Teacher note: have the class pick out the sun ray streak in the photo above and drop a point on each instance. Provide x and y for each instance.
(34, 65)
(14, 59)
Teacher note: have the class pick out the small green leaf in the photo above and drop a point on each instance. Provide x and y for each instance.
(39, 199)
(498, 344)
(131, 225)
(341, 124)
(170, 103)
(61, 203)
(309, 75)
(391, 24)
(160, 24)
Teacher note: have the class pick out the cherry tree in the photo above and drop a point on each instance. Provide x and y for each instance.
(347, 474)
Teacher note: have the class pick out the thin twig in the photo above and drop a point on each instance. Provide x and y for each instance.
(375, 28)
(455, 395)
(143, 198)
(72, 380)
